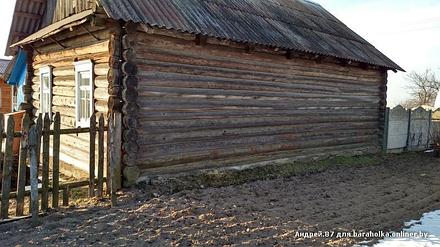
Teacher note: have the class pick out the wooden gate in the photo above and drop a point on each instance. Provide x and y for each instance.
(42, 185)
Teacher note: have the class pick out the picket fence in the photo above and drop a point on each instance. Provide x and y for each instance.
(34, 155)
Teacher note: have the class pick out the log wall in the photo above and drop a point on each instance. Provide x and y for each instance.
(6, 97)
(210, 105)
(79, 45)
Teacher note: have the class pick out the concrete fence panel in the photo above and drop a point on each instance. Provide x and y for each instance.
(420, 129)
(398, 128)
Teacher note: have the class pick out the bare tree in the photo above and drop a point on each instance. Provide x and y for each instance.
(423, 88)
(410, 103)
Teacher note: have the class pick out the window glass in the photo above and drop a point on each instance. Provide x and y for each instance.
(45, 98)
(84, 93)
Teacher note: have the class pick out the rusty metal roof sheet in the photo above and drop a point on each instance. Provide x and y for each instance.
(298, 25)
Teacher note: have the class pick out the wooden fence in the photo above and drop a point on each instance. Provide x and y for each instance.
(34, 155)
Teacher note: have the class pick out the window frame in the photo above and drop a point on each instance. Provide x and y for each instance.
(81, 67)
(46, 70)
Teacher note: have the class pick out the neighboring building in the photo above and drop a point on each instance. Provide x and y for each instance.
(15, 77)
(206, 83)
(5, 89)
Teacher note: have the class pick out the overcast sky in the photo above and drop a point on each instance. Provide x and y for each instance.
(407, 31)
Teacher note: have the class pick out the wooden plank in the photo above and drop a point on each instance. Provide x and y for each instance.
(66, 192)
(45, 164)
(7, 168)
(117, 158)
(39, 126)
(107, 163)
(92, 156)
(71, 185)
(56, 161)
(62, 131)
(33, 133)
(112, 158)
(100, 155)
(21, 178)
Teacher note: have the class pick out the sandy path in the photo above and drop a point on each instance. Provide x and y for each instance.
(263, 213)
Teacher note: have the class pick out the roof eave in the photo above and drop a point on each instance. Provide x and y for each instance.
(56, 27)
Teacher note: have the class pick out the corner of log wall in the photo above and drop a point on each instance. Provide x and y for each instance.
(130, 108)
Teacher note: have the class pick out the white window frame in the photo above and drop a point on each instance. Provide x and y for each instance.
(43, 71)
(80, 67)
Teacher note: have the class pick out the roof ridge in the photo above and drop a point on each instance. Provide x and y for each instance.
(296, 25)
(312, 2)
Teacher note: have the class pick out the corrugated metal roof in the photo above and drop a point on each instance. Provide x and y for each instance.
(288, 24)
(28, 18)
(56, 27)
(4, 65)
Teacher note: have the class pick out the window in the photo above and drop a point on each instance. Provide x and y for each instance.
(14, 99)
(84, 92)
(46, 90)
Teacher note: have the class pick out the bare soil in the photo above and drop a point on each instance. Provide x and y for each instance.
(266, 212)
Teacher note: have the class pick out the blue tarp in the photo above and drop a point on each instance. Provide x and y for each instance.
(18, 76)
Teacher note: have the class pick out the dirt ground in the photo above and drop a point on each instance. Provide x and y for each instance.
(267, 213)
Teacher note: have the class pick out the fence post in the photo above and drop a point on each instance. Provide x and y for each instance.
(56, 161)
(117, 144)
(39, 127)
(428, 141)
(66, 192)
(92, 156)
(45, 165)
(101, 155)
(386, 129)
(114, 132)
(21, 178)
(33, 135)
(7, 168)
(408, 136)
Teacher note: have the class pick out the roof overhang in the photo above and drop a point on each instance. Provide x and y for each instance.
(56, 27)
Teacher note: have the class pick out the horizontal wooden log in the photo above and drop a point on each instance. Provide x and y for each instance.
(56, 61)
(293, 85)
(155, 160)
(173, 101)
(75, 52)
(200, 59)
(59, 100)
(247, 94)
(178, 47)
(219, 134)
(101, 69)
(284, 156)
(197, 104)
(77, 41)
(150, 65)
(206, 112)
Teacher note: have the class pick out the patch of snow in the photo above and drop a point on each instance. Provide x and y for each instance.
(429, 223)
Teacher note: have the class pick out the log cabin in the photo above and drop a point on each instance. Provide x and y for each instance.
(204, 83)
